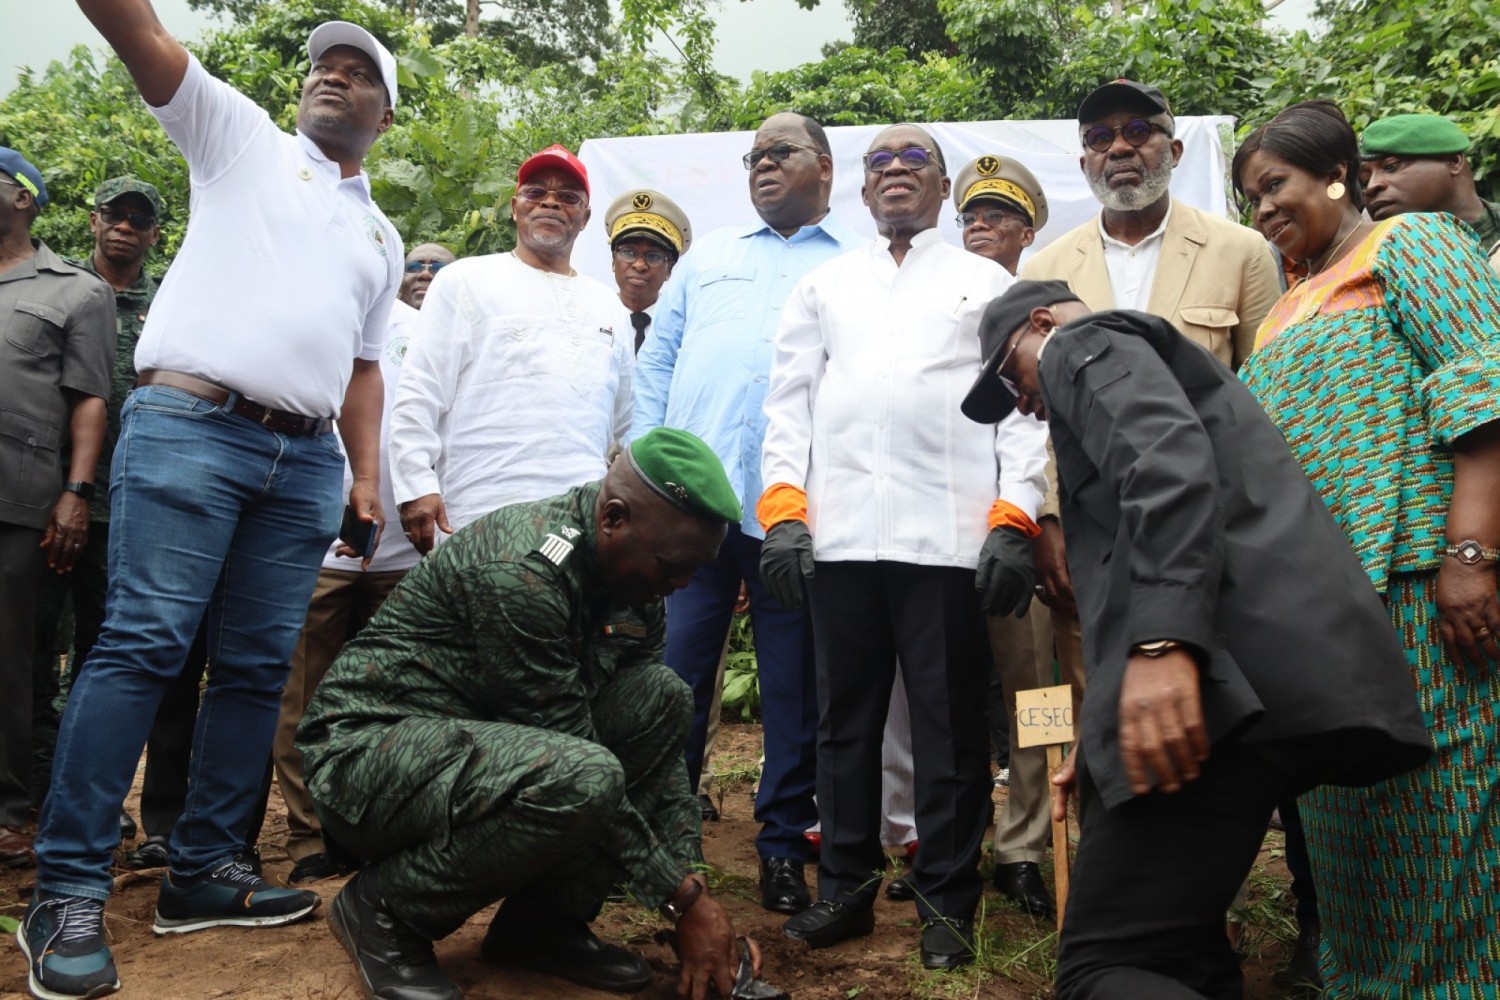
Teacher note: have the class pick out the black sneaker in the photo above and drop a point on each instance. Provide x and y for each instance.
(230, 895)
(62, 938)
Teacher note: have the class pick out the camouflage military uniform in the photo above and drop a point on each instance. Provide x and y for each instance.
(501, 723)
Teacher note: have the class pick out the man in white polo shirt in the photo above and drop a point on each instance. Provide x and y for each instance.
(518, 381)
(227, 478)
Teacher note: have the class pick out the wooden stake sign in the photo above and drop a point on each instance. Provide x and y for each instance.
(1044, 717)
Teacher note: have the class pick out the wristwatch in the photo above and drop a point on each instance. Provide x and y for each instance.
(1160, 647)
(1471, 553)
(84, 490)
(675, 909)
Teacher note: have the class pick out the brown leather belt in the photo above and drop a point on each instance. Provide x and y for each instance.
(280, 421)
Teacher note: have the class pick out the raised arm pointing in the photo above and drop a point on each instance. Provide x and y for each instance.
(156, 60)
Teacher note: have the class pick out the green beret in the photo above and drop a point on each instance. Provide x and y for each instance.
(1412, 135)
(686, 473)
(117, 186)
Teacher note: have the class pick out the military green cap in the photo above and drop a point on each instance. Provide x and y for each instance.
(117, 186)
(1412, 135)
(685, 472)
(644, 212)
(999, 178)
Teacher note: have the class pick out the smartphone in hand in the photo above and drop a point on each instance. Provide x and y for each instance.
(358, 535)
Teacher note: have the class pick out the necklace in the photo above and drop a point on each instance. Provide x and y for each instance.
(1334, 253)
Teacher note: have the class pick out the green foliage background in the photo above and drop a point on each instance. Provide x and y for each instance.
(548, 71)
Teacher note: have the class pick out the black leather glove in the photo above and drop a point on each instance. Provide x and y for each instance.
(786, 559)
(1004, 578)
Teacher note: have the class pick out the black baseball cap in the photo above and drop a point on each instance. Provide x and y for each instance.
(1122, 95)
(989, 401)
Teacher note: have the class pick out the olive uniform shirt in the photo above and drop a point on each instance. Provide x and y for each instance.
(57, 329)
(131, 306)
(508, 621)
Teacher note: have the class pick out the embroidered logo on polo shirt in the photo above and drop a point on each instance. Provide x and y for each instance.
(376, 232)
(556, 549)
(395, 349)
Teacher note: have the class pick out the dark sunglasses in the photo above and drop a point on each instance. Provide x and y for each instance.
(1136, 132)
(914, 157)
(777, 153)
(566, 197)
(137, 220)
(418, 266)
(655, 258)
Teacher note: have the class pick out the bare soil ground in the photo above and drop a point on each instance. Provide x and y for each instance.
(304, 962)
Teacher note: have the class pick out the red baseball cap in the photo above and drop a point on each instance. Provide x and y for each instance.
(558, 158)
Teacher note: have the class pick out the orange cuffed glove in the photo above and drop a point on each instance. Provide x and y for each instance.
(782, 502)
(1004, 514)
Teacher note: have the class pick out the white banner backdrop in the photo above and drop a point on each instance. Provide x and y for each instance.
(703, 174)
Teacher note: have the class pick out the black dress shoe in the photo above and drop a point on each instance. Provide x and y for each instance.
(707, 809)
(1301, 977)
(783, 885)
(827, 923)
(394, 961)
(562, 946)
(127, 827)
(1022, 882)
(152, 853)
(947, 942)
(900, 890)
(315, 868)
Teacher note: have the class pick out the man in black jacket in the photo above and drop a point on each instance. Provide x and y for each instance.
(1237, 654)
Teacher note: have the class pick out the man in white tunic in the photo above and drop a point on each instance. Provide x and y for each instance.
(884, 503)
(518, 380)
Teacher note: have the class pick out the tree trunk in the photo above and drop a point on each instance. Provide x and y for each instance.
(471, 19)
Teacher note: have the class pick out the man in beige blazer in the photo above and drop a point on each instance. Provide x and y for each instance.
(1215, 280)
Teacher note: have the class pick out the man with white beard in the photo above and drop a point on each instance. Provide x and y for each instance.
(1213, 279)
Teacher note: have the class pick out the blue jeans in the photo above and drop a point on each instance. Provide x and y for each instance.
(210, 513)
(697, 621)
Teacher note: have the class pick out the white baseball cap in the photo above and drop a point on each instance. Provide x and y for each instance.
(325, 36)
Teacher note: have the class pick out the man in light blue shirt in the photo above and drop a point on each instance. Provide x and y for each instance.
(705, 368)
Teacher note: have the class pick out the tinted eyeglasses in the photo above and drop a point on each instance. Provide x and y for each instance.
(137, 220)
(418, 266)
(1015, 342)
(914, 157)
(777, 153)
(629, 255)
(566, 197)
(992, 217)
(1136, 132)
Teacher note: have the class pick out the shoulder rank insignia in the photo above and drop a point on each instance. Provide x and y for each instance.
(627, 630)
(569, 532)
(556, 549)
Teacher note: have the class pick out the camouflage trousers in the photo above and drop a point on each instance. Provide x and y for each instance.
(461, 813)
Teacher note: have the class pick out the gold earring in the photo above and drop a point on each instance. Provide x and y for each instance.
(1336, 190)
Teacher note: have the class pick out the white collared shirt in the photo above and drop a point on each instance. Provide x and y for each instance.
(515, 387)
(395, 551)
(287, 272)
(871, 363)
(1132, 269)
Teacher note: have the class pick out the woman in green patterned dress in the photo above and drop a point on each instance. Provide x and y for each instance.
(1381, 366)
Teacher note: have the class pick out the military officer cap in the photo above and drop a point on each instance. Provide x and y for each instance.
(117, 186)
(20, 170)
(644, 212)
(1004, 180)
(685, 472)
(1412, 135)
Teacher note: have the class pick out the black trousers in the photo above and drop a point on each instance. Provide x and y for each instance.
(1155, 875)
(22, 563)
(865, 617)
